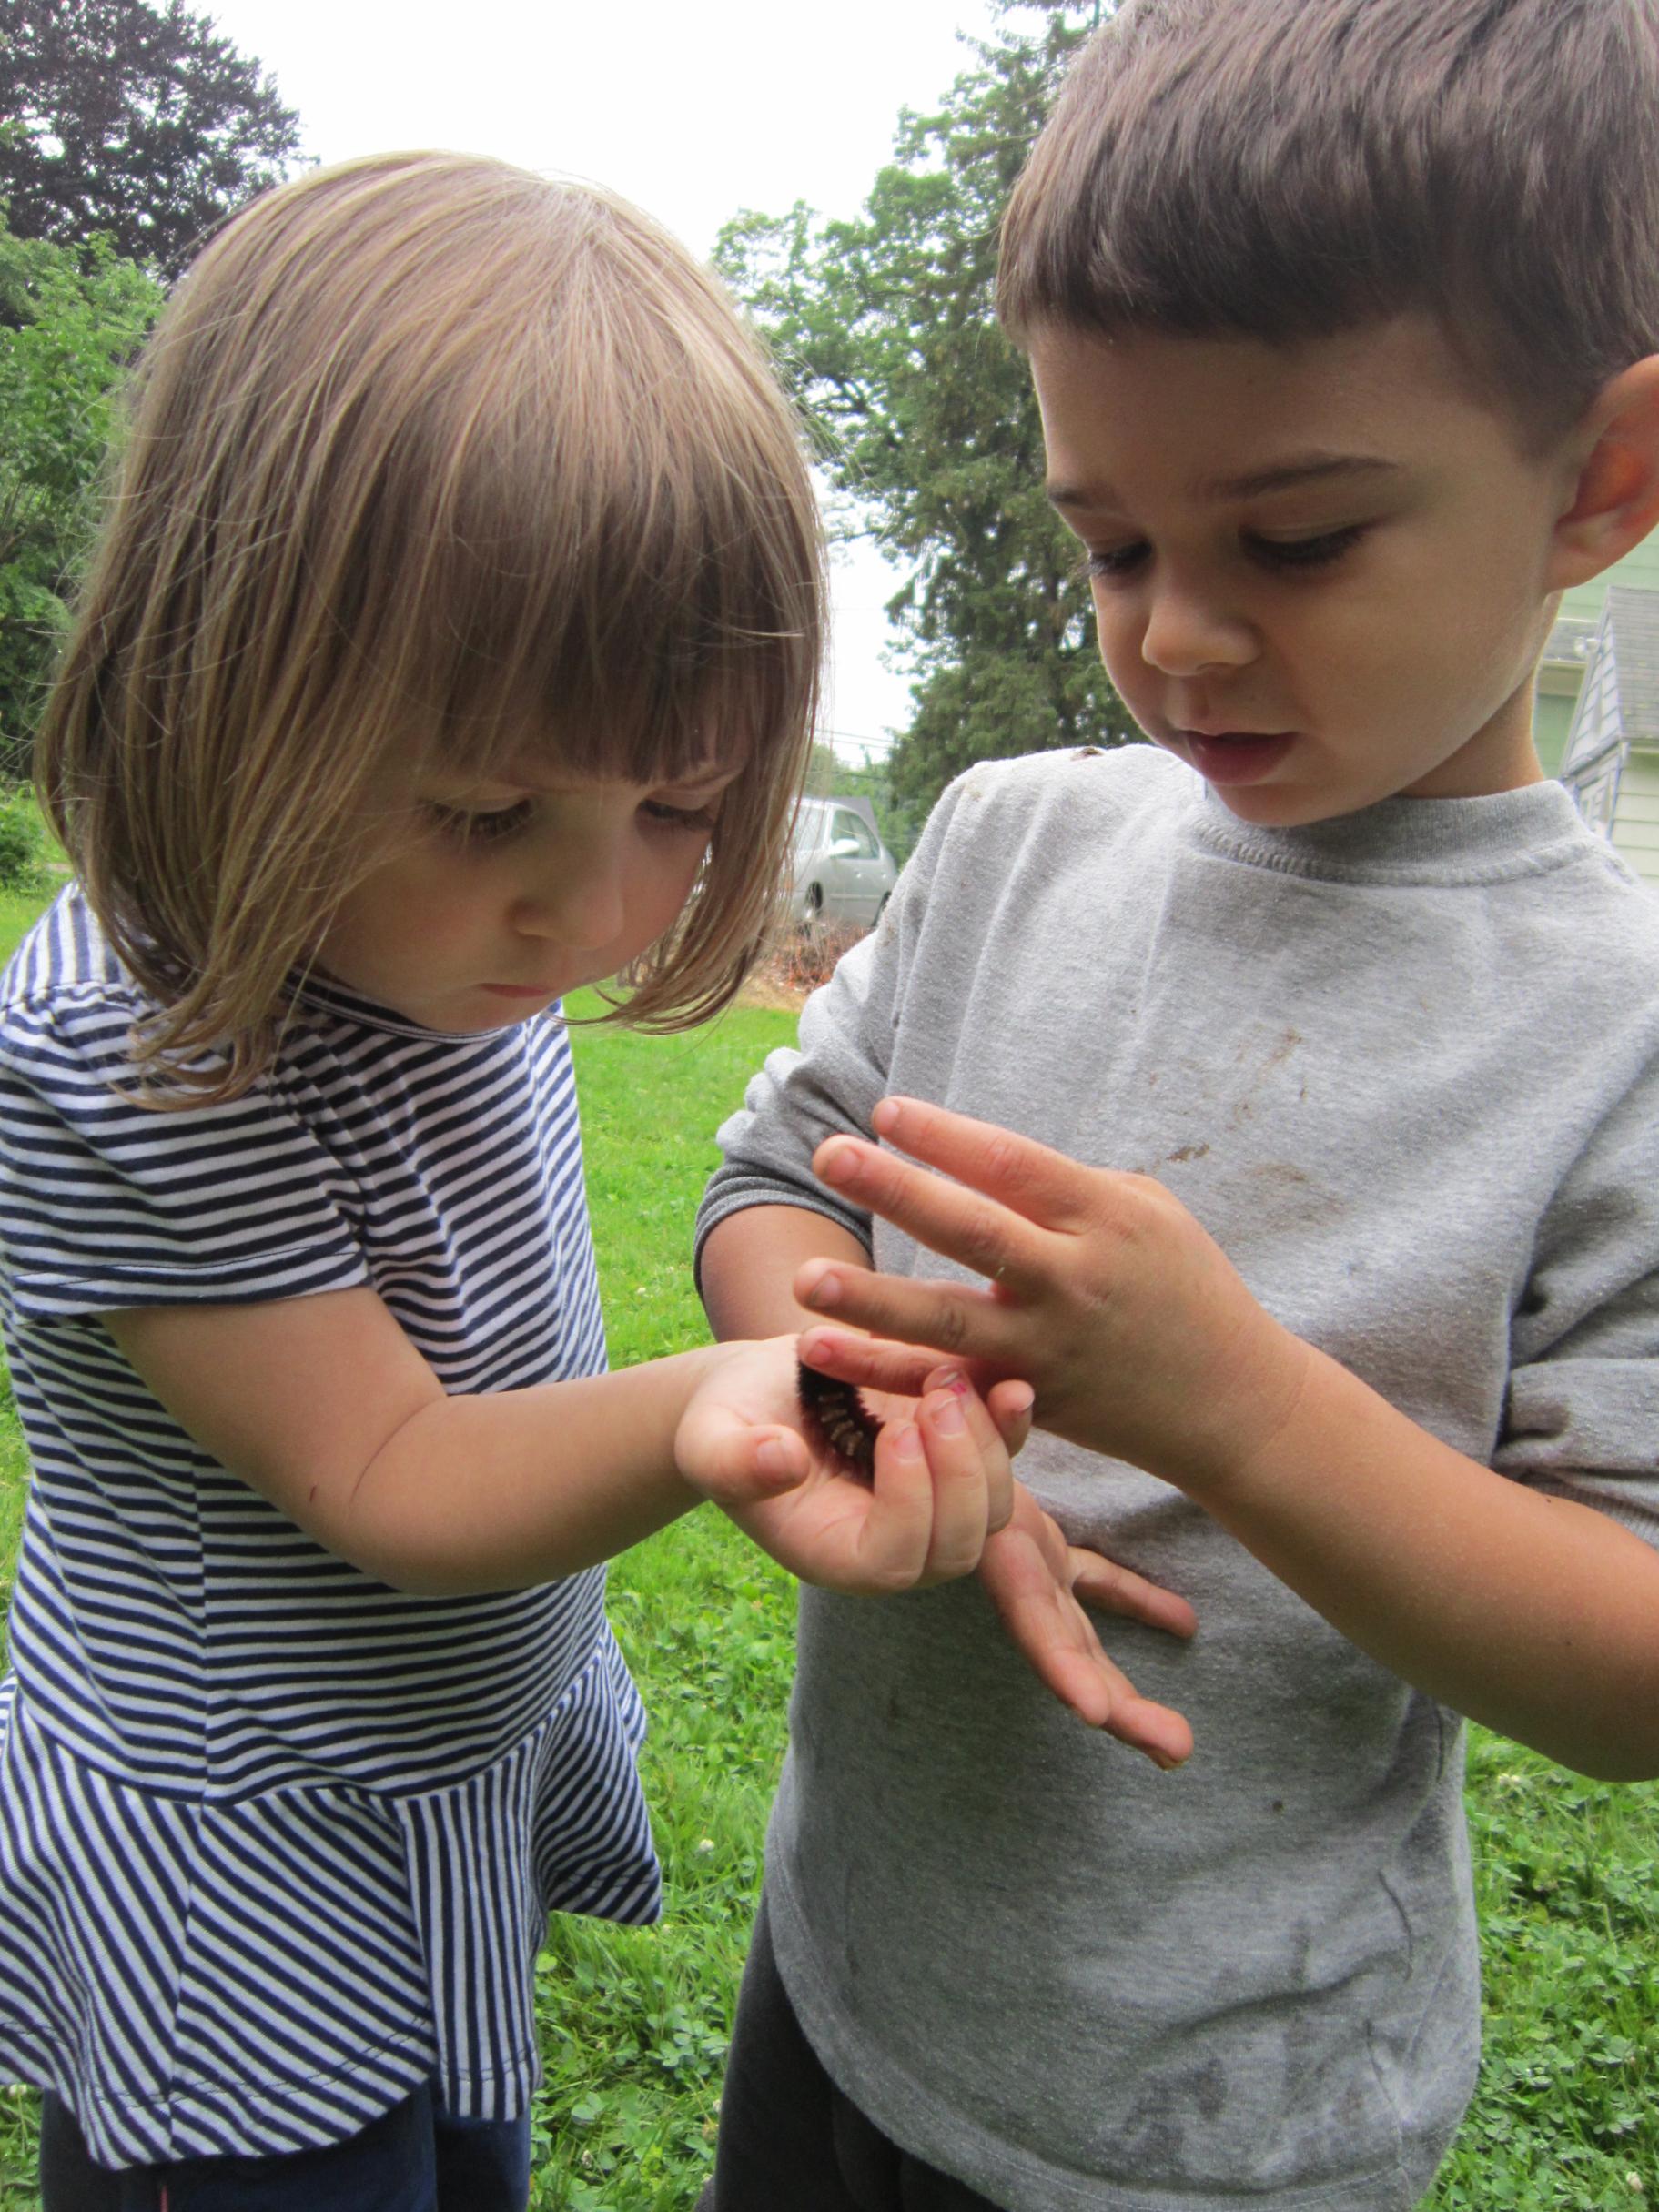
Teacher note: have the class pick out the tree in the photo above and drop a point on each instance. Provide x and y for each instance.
(69, 324)
(884, 328)
(133, 122)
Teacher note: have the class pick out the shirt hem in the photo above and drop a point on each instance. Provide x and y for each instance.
(957, 2145)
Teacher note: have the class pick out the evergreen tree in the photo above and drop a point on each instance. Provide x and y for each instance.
(884, 326)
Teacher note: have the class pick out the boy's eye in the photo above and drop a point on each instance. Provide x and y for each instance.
(1114, 562)
(480, 825)
(1306, 552)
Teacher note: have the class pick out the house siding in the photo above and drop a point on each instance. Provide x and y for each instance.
(1635, 820)
(1558, 681)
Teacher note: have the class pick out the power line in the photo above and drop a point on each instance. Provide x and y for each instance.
(837, 740)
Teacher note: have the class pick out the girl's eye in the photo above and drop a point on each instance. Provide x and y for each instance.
(1307, 552)
(698, 818)
(481, 826)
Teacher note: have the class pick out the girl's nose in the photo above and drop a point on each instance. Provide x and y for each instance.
(1186, 635)
(579, 898)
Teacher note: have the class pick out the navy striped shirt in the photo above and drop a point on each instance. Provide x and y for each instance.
(276, 1842)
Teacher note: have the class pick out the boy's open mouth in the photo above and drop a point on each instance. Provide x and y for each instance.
(1234, 756)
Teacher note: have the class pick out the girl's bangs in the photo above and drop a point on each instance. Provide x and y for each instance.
(625, 588)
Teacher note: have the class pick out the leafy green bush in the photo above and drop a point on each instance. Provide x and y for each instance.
(70, 322)
(25, 853)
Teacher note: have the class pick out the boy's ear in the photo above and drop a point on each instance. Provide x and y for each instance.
(1615, 499)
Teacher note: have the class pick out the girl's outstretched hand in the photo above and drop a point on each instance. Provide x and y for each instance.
(943, 1502)
(942, 1482)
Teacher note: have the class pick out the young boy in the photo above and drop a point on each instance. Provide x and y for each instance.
(1318, 1042)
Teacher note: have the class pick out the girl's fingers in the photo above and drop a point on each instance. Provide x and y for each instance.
(962, 1223)
(1010, 1406)
(973, 1481)
(897, 1530)
(1159, 1731)
(1047, 1626)
(1040, 1184)
(905, 1370)
(1102, 1582)
(1000, 1420)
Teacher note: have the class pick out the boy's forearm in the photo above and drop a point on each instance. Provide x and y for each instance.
(1534, 1615)
(749, 1262)
(1537, 1616)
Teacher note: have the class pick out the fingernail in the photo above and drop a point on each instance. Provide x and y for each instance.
(839, 1165)
(947, 1417)
(772, 1457)
(1022, 1403)
(952, 1379)
(825, 1291)
(884, 1119)
(907, 1443)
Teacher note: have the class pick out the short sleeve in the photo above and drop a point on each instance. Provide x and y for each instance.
(1581, 1411)
(105, 1202)
(834, 1084)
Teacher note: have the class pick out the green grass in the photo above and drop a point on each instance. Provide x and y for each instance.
(633, 2021)
(18, 910)
(1566, 2118)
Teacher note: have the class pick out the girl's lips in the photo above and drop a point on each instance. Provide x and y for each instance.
(1235, 756)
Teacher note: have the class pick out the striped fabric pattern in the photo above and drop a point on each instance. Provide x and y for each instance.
(276, 1842)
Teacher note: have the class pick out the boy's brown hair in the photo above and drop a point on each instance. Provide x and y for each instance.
(431, 460)
(1286, 170)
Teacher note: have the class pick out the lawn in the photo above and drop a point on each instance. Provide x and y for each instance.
(17, 912)
(634, 2021)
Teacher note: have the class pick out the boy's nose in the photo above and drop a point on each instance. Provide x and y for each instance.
(1185, 635)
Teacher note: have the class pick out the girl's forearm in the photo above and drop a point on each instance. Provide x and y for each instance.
(511, 1487)
(1534, 1615)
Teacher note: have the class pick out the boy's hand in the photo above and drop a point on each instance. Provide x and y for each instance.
(1104, 1293)
(942, 1479)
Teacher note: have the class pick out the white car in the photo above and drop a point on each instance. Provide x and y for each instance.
(842, 872)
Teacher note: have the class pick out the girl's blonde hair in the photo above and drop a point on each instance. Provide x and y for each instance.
(428, 459)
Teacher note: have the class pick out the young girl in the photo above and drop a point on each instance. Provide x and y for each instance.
(452, 644)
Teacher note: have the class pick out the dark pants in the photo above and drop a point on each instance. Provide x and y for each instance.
(413, 2158)
(787, 2135)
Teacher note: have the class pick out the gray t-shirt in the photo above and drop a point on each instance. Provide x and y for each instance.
(1404, 1066)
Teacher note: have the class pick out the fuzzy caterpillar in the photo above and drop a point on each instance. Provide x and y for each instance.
(840, 1415)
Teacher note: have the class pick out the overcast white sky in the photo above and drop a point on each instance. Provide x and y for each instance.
(694, 112)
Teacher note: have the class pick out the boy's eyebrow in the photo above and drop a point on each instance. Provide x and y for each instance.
(1310, 468)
